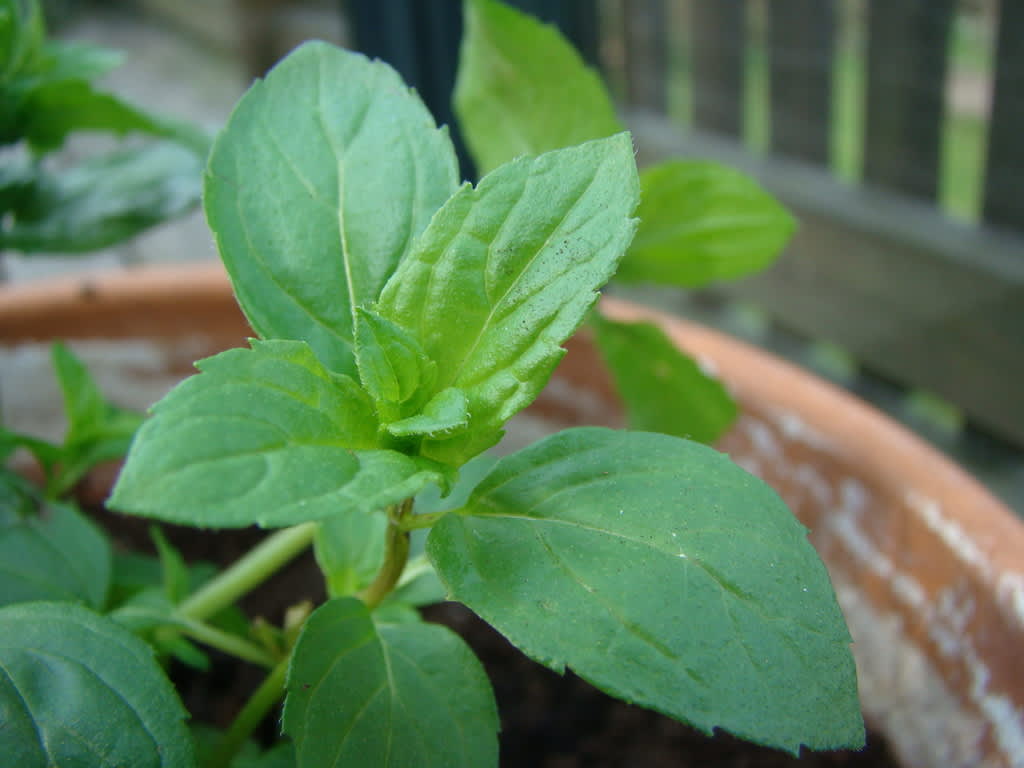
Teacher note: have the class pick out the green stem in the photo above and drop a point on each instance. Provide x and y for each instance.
(252, 714)
(428, 520)
(225, 641)
(253, 569)
(396, 553)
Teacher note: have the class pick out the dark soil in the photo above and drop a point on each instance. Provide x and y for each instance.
(551, 721)
(547, 720)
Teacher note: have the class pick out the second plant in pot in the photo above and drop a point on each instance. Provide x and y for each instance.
(403, 319)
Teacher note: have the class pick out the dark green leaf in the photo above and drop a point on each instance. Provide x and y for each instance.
(701, 222)
(506, 272)
(522, 89)
(663, 389)
(264, 435)
(55, 109)
(105, 200)
(665, 575)
(79, 690)
(60, 555)
(325, 175)
(391, 695)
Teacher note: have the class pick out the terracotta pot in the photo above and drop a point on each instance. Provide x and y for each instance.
(928, 566)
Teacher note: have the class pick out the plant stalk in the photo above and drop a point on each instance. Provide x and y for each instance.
(224, 641)
(255, 709)
(250, 571)
(396, 553)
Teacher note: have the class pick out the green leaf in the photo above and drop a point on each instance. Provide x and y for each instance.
(22, 33)
(264, 435)
(506, 272)
(97, 430)
(105, 200)
(522, 89)
(55, 109)
(390, 695)
(60, 555)
(349, 550)
(324, 176)
(392, 365)
(701, 222)
(79, 690)
(84, 405)
(664, 574)
(174, 573)
(75, 60)
(663, 389)
(446, 413)
(18, 497)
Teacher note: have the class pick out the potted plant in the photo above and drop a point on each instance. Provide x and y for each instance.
(171, 615)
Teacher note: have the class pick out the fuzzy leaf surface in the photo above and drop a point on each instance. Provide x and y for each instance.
(506, 272)
(58, 556)
(661, 572)
(77, 689)
(702, 222)
(663, 389)
(265, 435)
(324, 176)
(507, 97)
(386, 695)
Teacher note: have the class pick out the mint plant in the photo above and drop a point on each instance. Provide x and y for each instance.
(47, 92)
(403, 319)
(700, 222)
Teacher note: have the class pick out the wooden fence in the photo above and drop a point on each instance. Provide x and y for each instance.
(877, 267)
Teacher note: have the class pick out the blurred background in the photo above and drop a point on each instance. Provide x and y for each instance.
(892, 128)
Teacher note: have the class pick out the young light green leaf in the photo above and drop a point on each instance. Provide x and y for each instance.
(664, 574)
(78, 689)
(59, 555)
(265, 435)
(447, 412)
(392, 365)
(325, 174)
(104, 200)
(506, 272)
(663, 389)
(701, 222)
(522, 89)
(391, 695)
(349, 550)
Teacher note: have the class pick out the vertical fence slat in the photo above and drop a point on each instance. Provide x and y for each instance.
(1004, 173)
(907, 63)
(801, 36)
(646, 37)
(718, 39)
